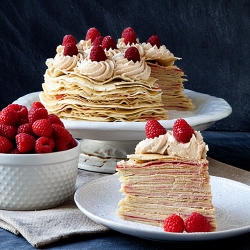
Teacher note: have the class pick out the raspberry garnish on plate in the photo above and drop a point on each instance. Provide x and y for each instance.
(97, 54)
(182, 131)
(174, 223)
(129, 35)
(197, 222)
(153, 129)
(133, 54)
(154, 40)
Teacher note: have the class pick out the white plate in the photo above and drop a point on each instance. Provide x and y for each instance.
(98, 200)
(209, 109)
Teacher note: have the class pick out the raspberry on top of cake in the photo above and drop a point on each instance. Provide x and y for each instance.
(101, 79)
(168, 174)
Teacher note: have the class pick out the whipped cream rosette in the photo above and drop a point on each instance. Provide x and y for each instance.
(113, 88)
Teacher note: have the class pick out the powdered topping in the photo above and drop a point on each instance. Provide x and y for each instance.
(168, 145)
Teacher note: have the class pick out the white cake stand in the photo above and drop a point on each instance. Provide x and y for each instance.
(105, 143)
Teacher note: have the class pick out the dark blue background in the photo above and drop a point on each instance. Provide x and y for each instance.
(211, 37)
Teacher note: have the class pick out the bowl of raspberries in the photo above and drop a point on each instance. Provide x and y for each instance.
(38, 158)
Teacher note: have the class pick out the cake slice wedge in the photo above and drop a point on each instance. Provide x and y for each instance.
(166, 177)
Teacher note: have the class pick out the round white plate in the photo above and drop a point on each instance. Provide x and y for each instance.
(99, 199)
(209, 109)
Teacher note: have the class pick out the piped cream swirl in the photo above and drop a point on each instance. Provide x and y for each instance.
(99, 71)
(167, 145)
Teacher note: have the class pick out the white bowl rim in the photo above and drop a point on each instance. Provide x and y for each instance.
(15, 160)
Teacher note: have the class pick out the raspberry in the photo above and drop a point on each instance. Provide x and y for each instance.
(153, 129)
(8, 116)
(25, 128)
(174, 223)
(109, 42)
(154, 40)
(72, 143)
(92, 34)
(21, 110)
(132, 53)
(70, 49)
(98, 41)
(15, 151)
(42, 128)
(182, 131)
(55, 119)
(37, 114)
(60, 133)
(97, 54)
(129, 35)
(8, 131)
(6, 145)
(44, 145)
(37, 105)
(60, 145)
(67, 39)
(197, 222)
(25, 143)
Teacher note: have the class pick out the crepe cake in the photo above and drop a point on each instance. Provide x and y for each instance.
(98, 79)
(166, 176)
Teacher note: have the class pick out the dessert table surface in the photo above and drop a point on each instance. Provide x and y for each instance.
(231, 148)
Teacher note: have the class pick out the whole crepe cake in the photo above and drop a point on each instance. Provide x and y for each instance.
(168, 176)
(100, 79)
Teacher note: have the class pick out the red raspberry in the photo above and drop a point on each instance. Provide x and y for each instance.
(25, 143)
(15, 151)
(42, 127)
(70, 49)
(55, 119)
(21, 110)
(67, 39)
(98, 41)
(60, 133)
(97, 54)
(129, 35)
(109, 42)
(37, 114)
(72, 143)
(182, 131)
(25, 128)
(174, 223)
(6, 145)
(8, 131)
(154, 40)
(8, 116)
(132, 53)
(60, 145)
(92, 34)
(153, 129)
(197, 222)
(37, 105)
(44, 145)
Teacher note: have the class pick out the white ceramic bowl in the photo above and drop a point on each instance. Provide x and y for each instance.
(37, 181)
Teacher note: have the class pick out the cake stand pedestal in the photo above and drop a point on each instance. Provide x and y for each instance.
(102, 156)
